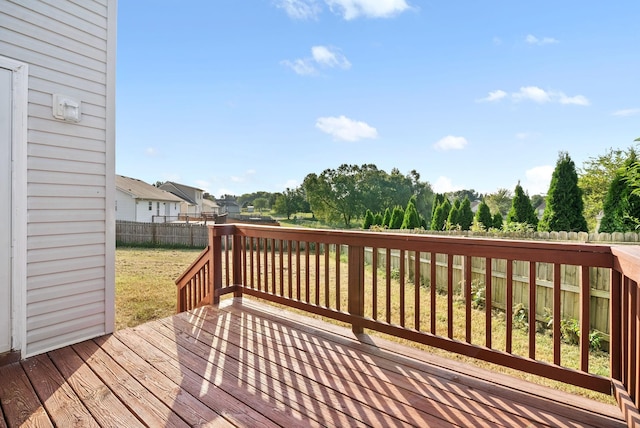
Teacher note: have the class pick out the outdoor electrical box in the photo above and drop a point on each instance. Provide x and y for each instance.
(66, 108)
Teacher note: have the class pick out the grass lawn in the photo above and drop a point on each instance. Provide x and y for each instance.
(145, 287)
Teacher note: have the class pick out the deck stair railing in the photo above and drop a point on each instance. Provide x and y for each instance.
(324, 272)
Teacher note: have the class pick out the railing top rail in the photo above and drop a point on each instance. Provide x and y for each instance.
(197, 264)
(627, 260)
(559, 252)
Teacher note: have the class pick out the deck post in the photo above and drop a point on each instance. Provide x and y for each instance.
(215, 266)
(356, 286)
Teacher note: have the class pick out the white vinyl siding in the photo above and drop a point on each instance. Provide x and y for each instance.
(126, 206)
(68, 46)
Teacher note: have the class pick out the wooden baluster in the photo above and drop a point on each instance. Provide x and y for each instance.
(450, 296)
(509, 307)
(402, 286)
(416, 285)
(532, 309)
(356, 286)
(467, 297)
(374, 283)
(488, 299)
(557, 314)
(585, 303)
(433, 288)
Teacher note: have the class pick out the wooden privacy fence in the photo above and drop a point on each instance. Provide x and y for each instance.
(569, 283)
(161, 234)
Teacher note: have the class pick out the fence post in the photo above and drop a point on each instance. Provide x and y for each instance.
(237, 263)
(356, 285)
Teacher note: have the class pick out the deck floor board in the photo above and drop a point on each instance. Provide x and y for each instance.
(251, 365)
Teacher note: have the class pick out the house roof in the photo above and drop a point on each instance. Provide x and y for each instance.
(141, 190)
(181, 190)
(209, 204)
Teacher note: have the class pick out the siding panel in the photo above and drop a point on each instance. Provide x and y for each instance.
(63, 278)
(71, 289)
(67, 45)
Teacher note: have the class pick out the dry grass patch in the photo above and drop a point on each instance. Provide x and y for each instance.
(145, 287)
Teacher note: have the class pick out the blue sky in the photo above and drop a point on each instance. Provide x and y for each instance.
(240, 96)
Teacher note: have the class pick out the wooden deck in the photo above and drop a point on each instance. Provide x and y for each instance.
(248, 364)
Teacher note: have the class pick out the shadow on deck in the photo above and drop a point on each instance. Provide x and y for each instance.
(249, 364)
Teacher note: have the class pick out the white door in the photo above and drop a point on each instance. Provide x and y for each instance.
(5, 209)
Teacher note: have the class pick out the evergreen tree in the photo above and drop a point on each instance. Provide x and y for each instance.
(397, 216)
(621, 206)
(454, 217)
(368, 220)
(564, 210)
(441, 215)
(386, 220)
(465, 216)
(378, 220)
(521, 209)
(411, 218)
(497, 221)
(483, 215)
(438, 199)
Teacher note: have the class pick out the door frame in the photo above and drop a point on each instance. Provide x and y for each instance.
(20, 94)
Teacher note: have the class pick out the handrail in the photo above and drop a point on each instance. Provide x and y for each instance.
(293, 267)
(625, 330)
(193, 285)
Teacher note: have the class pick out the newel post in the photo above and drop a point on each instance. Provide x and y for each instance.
(356, 285)
(215, 265)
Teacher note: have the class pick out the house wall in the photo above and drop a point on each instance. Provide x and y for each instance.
(158, 208)
(125, 206)
(70, 186)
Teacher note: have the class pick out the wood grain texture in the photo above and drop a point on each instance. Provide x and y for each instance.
(248, 364)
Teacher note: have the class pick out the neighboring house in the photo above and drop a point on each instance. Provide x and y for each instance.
(210, 207)
(57, 161)
(144, 203)
(228, 206)
(192, 197)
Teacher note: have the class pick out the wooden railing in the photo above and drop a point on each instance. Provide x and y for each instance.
(324, 272)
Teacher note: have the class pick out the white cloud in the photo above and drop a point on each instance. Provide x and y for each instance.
(321, 56)
(345, 129)
(151, 152)
(444, 184)
(533, 40)
(532, 93)
(537, 95)
(351, 9)
(329, 57)
(579, 100)
(300, 9)
(493, 96)
(348, 9)
(627, 112)
(303, 67)
(538, 179)
(451, 142)
(497, 41)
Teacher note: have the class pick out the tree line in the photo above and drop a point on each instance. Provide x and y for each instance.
(606, 187)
